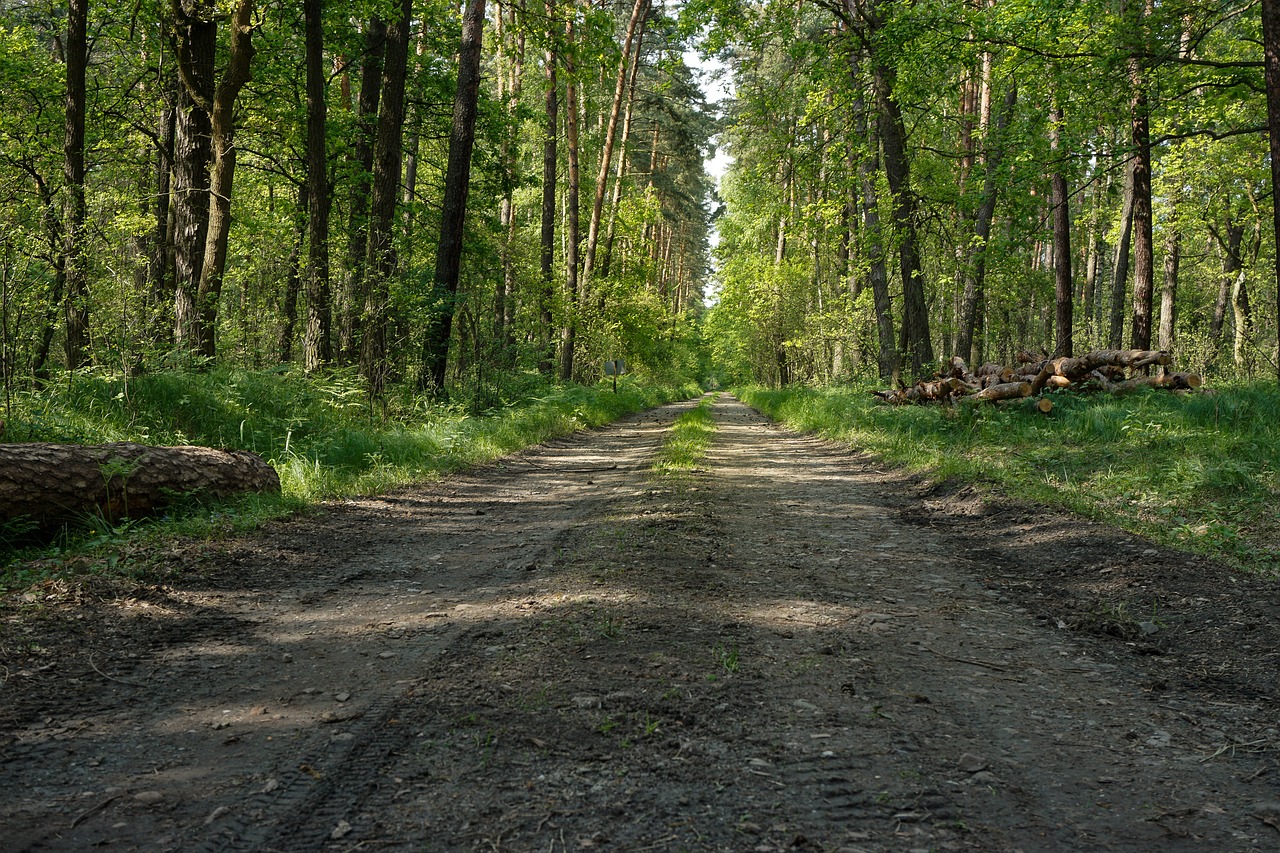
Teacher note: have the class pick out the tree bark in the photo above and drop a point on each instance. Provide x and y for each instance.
(1120, 269)
(914, 342)
(976, 270)
(222, 175)
(196, 40)
(1064, 291)
(380, 257)
(569, 334)
(77, 288)
(1143, 247)
(873, 233)
(49, 484)
(1168, 294)
(638, 10)
(353, 296)
(1271, 56)
(549, 166)
(317, 347)
(456, 183)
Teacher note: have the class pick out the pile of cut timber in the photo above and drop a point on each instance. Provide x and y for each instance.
(1114, 371)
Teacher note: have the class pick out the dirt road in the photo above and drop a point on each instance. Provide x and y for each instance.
(793, 648)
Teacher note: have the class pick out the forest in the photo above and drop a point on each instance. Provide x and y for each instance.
(444, 199)
(420, 195)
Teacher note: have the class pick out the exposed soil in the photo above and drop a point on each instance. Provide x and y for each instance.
(793, 648)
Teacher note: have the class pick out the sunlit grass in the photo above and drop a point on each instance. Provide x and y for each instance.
(1196, 471)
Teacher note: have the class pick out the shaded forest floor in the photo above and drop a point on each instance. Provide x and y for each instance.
(793, 647)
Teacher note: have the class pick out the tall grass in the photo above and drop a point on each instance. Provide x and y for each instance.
(1201, 472)
(321, 433)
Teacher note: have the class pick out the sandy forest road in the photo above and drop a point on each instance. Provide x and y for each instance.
(563, 653)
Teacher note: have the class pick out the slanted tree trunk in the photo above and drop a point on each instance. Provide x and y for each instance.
(638, 10)
(380, 258)
(454, 213)
(49, 484)
(77, 288)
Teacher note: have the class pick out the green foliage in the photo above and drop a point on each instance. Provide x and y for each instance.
(1200, 472)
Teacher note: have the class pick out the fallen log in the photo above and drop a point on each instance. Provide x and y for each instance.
(48, 484)
(1006, 391)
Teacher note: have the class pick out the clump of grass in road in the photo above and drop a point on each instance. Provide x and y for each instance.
(687, 444)
(1200, 472)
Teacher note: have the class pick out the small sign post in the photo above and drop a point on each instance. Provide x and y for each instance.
(615, 368)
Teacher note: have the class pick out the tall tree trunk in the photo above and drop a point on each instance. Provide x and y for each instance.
(504, 291)
(569, 334)
(222, 175)
(1271, 54)
(1168, 294)
(549, 166)
(1120, 274)
(873, 233)
(1242, 313)
(638, 10)
(621, 174)
(456, 183)
(1229, 248)
(293, 281)
(380, 257)
(317, 349)
(915, 343)
(354, 294)
(1143, 240)
(160, 243)
(196, 43)
(1064, 291)
(967, 344)
(77, 305)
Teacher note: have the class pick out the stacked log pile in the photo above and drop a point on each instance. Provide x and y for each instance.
(1113, 371)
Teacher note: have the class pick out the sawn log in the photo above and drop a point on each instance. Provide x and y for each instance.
(51, 483)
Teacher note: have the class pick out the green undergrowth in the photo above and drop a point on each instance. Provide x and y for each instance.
(1201, 471)
(687, 444)
(320, 433)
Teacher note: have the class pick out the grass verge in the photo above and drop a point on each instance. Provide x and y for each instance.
(1200, 472)
(687, 444)
(320, 434)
